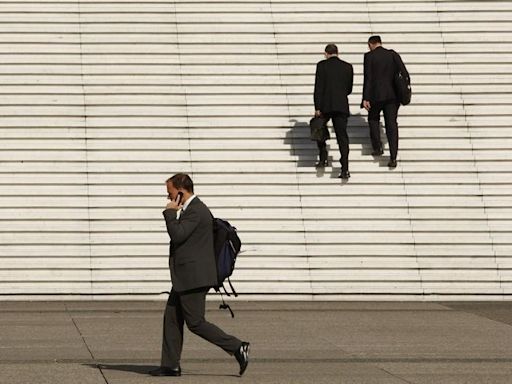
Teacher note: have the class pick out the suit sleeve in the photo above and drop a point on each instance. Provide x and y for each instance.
(319, 87)
(367, 82)
(180, 230)
(351, 80)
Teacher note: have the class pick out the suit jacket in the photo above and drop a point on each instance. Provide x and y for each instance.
(191, 255)
(380, 67)
(333, 83)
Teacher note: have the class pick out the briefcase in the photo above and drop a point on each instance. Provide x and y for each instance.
(319, 131)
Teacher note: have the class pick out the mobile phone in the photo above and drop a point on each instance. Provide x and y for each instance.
(179, 197)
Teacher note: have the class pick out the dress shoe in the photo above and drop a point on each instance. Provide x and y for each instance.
(392, 164)
(242, 356)
(166, 371)
(321, 164)
(344, 175)
(378, 152)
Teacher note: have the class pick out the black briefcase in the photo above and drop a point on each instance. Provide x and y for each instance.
(319, 131)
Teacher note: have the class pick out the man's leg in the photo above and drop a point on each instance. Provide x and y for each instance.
(374, 125)
(339, 122)
(193, 307)
(172, 343)
(322, 153)
(390, 117)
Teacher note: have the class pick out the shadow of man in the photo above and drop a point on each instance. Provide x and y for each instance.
(145, 369)
(301, 146)
(306, 150)
(359, 134)
(140, 369)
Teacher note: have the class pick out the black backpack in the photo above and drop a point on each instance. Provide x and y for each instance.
(226, 245)
(402, 81)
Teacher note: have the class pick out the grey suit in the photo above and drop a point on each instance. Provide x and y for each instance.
(191, 258)
(193, 273)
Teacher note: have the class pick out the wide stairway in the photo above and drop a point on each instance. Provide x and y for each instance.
(103, 100)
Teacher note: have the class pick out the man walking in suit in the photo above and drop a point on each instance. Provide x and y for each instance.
(379, 94)
(193, 272)
(333, 83)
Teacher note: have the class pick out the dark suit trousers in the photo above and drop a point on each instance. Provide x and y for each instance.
(189, 307)
(339, 121)
(322, 150)
(390, 110)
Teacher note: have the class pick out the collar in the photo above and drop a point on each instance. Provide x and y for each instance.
(187, 203)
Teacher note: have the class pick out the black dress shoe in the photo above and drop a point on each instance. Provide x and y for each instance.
(377, 152)
(392, 164)
(242, 356)
(344, 175)
(166, 371)
(321, 164)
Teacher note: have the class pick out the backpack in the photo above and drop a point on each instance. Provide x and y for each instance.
(226, 245)
(402, 81)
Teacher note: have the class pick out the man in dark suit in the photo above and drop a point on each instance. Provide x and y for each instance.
(333, 83)
(193, 272)
(380, 67)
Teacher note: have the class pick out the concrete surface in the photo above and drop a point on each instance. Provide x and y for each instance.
(292, 342)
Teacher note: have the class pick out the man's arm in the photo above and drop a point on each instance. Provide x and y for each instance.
(180, 230)
(367, 82)
(351, 80)
(319, 87)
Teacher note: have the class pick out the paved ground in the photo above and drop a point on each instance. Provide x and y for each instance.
(314, 343)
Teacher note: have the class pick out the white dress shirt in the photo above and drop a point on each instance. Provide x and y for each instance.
(185, 206)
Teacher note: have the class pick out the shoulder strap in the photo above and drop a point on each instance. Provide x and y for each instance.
(225, 306)
(400, 66)
(232, 288)
(395, 60)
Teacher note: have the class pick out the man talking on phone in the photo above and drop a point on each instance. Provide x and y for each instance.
(193, 272)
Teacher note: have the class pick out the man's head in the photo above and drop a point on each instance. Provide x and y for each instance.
(374, 42)
(180, 182)
(330, 50)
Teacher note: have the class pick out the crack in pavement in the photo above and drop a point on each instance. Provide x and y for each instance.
(86, 345)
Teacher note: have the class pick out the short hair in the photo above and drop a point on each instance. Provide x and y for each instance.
(375, 39)
(331, 49)
(182, 181)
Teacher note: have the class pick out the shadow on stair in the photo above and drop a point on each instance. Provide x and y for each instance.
(306, 151)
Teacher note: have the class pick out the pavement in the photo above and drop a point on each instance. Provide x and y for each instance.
(291, 342)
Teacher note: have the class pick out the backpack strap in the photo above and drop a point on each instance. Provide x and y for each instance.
(399, 65)
(232, 288)
(225, 306)
(225, 290)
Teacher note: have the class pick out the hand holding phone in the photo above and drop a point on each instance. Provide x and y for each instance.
(175, 204)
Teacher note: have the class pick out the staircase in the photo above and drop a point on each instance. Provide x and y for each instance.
(102, 101)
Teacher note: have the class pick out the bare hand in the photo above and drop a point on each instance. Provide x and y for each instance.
(318, 113)
(173, 204)
(366, 105)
